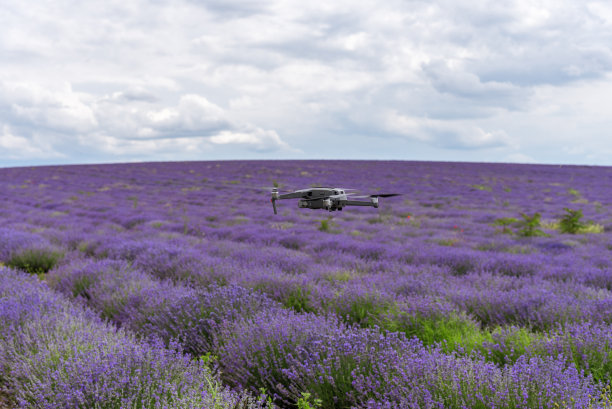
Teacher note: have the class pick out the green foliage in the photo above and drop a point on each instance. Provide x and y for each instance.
(447, 242)
(505, 221)
(304, 402)
(529, 226)
(298, 299)
(366, 310)
(81, 286)
(209, 359)
(134, 200)
(453, 331)
(508, 344)
(35, 260)
(334, 389)
(482, 187)
(342, 276)
(324, 225)
(570, 222)
(265, 399)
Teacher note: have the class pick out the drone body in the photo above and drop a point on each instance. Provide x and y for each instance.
(326, 198)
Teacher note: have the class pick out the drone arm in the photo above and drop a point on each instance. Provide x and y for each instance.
(358, 203)
(293, 195)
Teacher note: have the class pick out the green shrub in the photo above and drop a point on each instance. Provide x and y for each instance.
(324, 225)
(505, 221)
(570, 222)
(529, 226)
(35, 260)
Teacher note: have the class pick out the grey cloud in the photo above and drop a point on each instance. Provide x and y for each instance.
(468, 85)
(445, 134)
(61, 110)
(529, 44)
(129, 120)
(136, 94)
(551, 65)
(233, 8)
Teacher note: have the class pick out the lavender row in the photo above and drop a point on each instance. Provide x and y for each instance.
(407, 299)
(57, 355)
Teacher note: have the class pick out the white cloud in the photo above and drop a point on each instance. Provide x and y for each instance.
(123, 123)
(260, 139)
(16, 147)
(446, 134)
(520, 158)
(456, 81)
(60, 109)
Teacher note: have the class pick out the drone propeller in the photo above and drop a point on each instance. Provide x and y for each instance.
(386, 195)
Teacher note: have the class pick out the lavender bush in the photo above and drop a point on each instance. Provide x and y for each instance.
(56, 355)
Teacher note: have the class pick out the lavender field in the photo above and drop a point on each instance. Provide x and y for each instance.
(173, 285)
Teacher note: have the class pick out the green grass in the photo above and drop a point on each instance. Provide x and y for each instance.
(339, 276)
(299, 300)
(509, 344)
(447, 242)
(505, 221)
(453, 331)
(35, 260)
(586, 228)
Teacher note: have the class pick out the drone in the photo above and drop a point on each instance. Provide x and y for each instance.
(327, 198)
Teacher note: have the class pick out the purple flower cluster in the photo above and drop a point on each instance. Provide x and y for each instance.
(55, 354)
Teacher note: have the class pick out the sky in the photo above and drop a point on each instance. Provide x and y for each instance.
(525, 81)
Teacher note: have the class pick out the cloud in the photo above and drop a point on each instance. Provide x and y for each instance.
(467, 85)
(445, 134)
(134, 94)
(123, 122)
(193, 116)
(59, 110)
(16, 147)
(268, 77)
(520, 158)
(261, 140)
